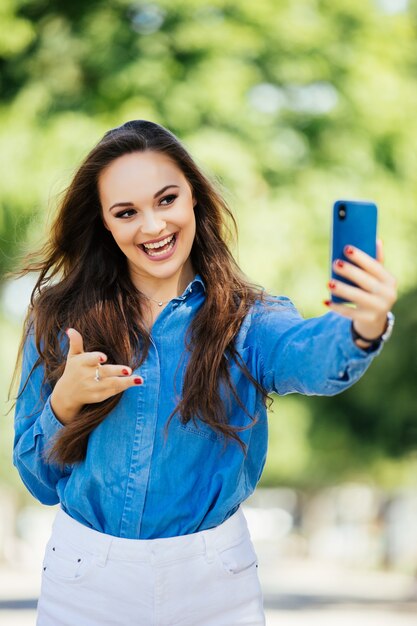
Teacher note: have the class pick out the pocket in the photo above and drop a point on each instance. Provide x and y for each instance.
(65, 563)
(201, 429)
(239, 558)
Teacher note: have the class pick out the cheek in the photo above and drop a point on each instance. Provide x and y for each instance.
(188, 219)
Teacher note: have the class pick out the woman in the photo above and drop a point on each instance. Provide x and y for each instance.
(147, 362)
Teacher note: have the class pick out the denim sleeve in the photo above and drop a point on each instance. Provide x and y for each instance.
(315, 356)
(35, 426)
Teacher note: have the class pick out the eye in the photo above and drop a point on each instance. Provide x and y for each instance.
(124, 213)
(170, 199)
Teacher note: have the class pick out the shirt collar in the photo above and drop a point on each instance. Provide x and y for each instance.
(198, 279)
(195, 284)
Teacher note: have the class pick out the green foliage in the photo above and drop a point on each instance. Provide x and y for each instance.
(289, 104)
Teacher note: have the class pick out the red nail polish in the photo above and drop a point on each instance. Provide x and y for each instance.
(101, 359)
(125, 372)
(349, 250)
(327, 302)
(331, 284)
(340, 263)
(138, 381)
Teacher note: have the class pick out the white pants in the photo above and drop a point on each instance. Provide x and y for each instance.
(208, 578)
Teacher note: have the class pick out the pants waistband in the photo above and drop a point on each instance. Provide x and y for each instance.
(165, 549)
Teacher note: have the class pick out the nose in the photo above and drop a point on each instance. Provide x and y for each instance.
(152, 224)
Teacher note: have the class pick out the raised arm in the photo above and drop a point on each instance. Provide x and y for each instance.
(319, 355)
(315, 356)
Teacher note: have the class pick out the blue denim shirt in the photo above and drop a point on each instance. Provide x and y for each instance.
(133, 483)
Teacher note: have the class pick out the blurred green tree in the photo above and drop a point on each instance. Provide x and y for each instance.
(290, 105)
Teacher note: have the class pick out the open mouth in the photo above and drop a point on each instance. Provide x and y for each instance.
(160, 248)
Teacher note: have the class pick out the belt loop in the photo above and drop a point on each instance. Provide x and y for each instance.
(210, 549)
(103, 553)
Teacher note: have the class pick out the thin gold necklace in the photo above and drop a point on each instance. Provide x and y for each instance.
(158, 302)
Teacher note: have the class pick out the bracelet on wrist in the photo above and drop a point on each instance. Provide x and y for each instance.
(374, 343)
(357, 335)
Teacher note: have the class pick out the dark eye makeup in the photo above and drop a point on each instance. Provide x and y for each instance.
(124, 213)
(170, 199)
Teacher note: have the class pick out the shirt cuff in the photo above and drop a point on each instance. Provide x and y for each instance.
(356, 351)
(48, 424)
(355, 360)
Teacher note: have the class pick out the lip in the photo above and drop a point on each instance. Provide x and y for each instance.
(158, 240)
(162, 257)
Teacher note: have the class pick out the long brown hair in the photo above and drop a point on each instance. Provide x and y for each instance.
(83, 283)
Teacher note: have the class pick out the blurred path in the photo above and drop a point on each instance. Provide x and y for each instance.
(306, 593)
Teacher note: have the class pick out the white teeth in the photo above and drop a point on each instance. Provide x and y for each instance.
(162, 252)
(159, 244)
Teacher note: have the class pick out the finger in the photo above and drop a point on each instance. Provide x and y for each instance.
(110, 371)
(362, 276)
(94, 358)
(76, 347)
(366, 262)
(380, 251)
(136, 380)
(342, 309)
(362, 299)
(75, 342)
(120, 384)
(106, 387)
(348, 311)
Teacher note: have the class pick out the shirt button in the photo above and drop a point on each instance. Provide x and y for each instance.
(341, 374)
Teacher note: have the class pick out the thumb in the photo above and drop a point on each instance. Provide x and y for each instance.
(75, 342)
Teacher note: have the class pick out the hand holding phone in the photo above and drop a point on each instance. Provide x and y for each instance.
(354, 224)
(358, 274)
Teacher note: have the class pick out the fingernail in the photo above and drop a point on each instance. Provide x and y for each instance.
(331, 285)
(101, 359)
(138, 381)
(340, 263)
(327, 302)
(125, 372)
(349, 250)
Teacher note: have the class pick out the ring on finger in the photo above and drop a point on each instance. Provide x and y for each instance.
(97, 377)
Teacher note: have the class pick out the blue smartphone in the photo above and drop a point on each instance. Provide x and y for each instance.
(354, 223)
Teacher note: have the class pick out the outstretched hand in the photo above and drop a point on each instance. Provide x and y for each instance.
(374, 294)
(86, 380)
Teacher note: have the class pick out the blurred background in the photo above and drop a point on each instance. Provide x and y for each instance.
(288, 106)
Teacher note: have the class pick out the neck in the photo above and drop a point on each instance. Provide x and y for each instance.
(164, 289)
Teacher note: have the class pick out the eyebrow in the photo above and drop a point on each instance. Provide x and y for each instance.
(158, 193)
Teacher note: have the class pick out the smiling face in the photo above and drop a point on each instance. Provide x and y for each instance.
(146, 199)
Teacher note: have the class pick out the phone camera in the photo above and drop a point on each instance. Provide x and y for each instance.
(342, 211)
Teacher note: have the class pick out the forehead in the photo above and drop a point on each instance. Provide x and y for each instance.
(148, 171)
